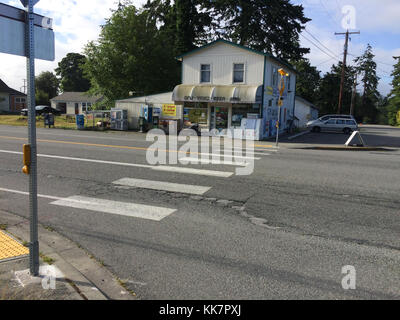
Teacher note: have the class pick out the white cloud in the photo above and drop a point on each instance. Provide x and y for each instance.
(75, 22)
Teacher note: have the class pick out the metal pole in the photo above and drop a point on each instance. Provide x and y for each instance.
(34, 243)
(278, 125)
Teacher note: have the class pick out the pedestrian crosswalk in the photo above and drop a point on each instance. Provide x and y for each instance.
(149, 211)
(162, 186)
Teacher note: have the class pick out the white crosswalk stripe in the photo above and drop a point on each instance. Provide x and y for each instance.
(164, 186)
(116, 207)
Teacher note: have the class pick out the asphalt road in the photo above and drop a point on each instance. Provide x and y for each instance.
(283, 232)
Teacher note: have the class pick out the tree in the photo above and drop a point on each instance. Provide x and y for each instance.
(70, 71)
(131, 55)
(182, 21)
(46, 87)
(265, 25)
(366, 66)
(393, 107)
(308, 80)
(328, 92)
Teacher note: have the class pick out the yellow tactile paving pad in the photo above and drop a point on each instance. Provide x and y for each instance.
(9, 248)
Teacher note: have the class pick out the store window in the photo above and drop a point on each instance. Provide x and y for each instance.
(195, 114)
(238, 73)
(240, 112)
(205, 73)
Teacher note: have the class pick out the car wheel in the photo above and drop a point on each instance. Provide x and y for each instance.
(316, 129)
(347, 130)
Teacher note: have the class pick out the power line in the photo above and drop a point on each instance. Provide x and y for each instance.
(328, 54)
(321, 43)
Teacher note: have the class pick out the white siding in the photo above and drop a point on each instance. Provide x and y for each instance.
(221, 57)
(303, 113)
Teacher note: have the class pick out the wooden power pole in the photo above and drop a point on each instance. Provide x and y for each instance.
(346, 45)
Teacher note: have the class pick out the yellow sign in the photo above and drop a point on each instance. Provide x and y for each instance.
(169, 110)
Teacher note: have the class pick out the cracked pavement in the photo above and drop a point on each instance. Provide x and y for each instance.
(284, 232)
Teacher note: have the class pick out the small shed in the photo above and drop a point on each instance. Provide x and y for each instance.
(162, 105)
(305, 111)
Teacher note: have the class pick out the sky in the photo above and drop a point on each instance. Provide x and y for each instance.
(75, 22)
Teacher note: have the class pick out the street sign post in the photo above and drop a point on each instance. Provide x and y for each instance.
(280, 101)
(26, 34)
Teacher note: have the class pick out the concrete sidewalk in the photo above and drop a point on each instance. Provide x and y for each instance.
(67, 272)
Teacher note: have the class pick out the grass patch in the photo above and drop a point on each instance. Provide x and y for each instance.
(60, 122)
(48, 228)
(46, 259)
(3, 227)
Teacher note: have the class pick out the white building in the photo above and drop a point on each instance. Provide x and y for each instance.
(73, 103)
(228, 86)
(304, 112)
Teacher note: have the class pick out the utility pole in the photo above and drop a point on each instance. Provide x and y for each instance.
(346, 46)
(353, 96)
(24, 86)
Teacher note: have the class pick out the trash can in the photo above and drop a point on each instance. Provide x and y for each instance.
(80, 121)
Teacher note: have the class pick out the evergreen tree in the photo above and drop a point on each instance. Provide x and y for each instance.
(366, 66)
(70, 71)
(307, 81)
(328, 92)
(393, 107)
(265, 25)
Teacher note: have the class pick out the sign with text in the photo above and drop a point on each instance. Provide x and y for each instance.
(169, 110)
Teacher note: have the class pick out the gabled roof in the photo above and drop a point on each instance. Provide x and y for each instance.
(77, 97)
(265, 54)
(310, 104)
(6, 89)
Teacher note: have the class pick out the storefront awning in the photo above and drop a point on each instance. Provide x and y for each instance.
(226, 94)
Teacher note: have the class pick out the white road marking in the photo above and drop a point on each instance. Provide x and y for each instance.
(165, 186)
(116, 207)
(203, 172)
(212, 173)
(107, 206)
(229, 155)
(27, 193)
(211, 161)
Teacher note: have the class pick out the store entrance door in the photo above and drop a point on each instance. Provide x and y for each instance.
(219, 118)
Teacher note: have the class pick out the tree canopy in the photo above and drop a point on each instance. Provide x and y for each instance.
(131, 56)
(265, 25)
(366, 66)
(46, 87)
(394, 96)
(70, 71)
(308, 80)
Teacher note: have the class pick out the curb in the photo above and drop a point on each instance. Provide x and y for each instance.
(87, 276)
(349, 148)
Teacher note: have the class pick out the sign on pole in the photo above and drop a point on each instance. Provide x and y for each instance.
(27, 34)
(12, 33)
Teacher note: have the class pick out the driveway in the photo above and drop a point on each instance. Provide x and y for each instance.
(373, 135)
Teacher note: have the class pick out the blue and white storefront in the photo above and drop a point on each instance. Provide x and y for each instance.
(233, 90)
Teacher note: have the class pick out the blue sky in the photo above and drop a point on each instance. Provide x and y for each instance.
(77, 22)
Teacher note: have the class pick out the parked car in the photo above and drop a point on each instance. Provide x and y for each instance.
(345, 125)
(41, 110)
